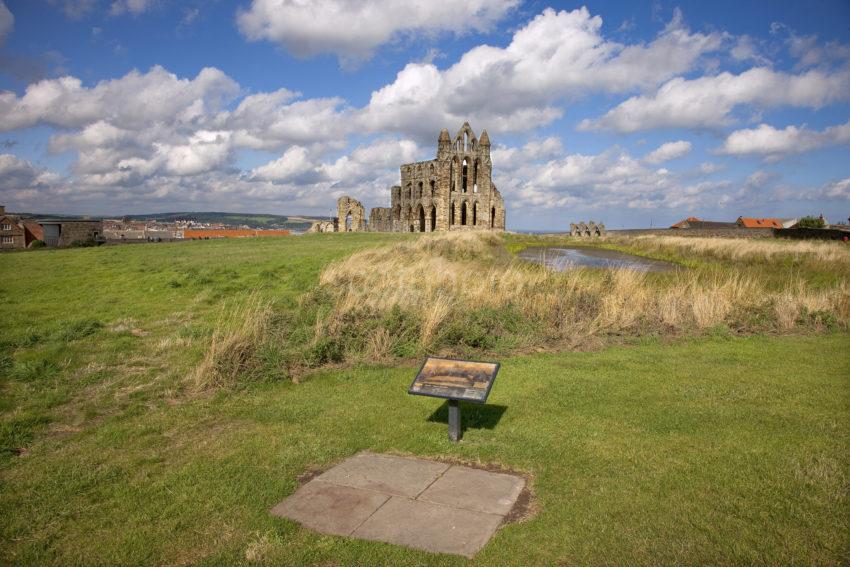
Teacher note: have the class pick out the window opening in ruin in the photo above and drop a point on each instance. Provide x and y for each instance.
(419, 195)
(409, 191)
(433, 189)
(475, 177)
(452, 174)
(348, 222)
(465, 141)
(463, 177)
(421, 219)
(493, 218)
(474, 214)
(463, 214)
(433, 218)
(452, 215)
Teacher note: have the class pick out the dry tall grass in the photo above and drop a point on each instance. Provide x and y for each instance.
(745, 249)
(442, 278)
(240, 329)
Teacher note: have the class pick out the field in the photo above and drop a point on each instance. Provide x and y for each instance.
(158, 399)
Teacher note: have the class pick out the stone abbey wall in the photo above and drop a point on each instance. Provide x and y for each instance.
(381, 219)
(455, 191)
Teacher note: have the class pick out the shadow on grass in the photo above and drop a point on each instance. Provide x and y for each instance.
(472, 416)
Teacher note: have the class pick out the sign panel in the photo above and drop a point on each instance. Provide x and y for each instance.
(455, 379)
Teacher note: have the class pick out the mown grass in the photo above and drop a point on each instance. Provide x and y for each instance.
(148, 413)
(716, 451)
(88, 333)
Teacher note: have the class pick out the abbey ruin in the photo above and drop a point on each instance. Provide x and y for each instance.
(455, 191)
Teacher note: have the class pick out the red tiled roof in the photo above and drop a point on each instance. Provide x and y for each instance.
(35, 229)
(749, 222)
(682, 223)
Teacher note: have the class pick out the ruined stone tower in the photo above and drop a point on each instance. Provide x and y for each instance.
(453, 192)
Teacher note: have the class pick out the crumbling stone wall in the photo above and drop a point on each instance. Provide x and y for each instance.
(455, 191)
(589, 229)
(381, 219)
(350, 214)
(323, 226)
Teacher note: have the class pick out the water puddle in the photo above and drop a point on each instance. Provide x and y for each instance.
(563, 258)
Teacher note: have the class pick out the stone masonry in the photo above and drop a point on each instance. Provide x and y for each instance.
(381, 219)
(351, 215)
(455, 191)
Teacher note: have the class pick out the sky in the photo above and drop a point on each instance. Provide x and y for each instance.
(634, 114)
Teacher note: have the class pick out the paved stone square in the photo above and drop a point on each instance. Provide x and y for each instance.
(424, 504)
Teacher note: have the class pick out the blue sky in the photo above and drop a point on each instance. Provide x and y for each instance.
(628, 113)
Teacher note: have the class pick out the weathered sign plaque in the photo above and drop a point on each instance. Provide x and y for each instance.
(455, 380)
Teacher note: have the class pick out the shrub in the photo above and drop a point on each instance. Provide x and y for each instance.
(87, 243)
(811, 222)
(325, 350)
(37, 244)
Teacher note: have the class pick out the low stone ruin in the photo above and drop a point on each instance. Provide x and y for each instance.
(323, 226)
(589, 229)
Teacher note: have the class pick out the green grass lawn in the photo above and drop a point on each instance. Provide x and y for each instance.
(712, 450)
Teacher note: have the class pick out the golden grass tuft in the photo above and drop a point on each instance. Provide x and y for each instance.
(441, 278)
(745, 249)
(240, 329)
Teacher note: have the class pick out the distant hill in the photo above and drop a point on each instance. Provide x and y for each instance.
(253, 220)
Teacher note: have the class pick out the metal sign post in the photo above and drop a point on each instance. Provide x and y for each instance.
(454, 421)
(455, 380)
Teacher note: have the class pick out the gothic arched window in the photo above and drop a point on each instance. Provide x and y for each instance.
(463, 177)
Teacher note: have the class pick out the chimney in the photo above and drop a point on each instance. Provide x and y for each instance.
(2, 210)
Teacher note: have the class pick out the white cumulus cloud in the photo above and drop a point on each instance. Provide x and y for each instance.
(668, 151)
(773, 144)
(557, 55)
(352, 30)
(708, 102)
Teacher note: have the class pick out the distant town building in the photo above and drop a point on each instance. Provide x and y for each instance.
(17, 232)
(694, 222)
(749, 222)
(65, 232)
(231, 233)
(11, 231)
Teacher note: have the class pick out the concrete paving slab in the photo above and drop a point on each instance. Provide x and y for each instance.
(432, 527)
(330, 508)
(474, 489)
(385, 473)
